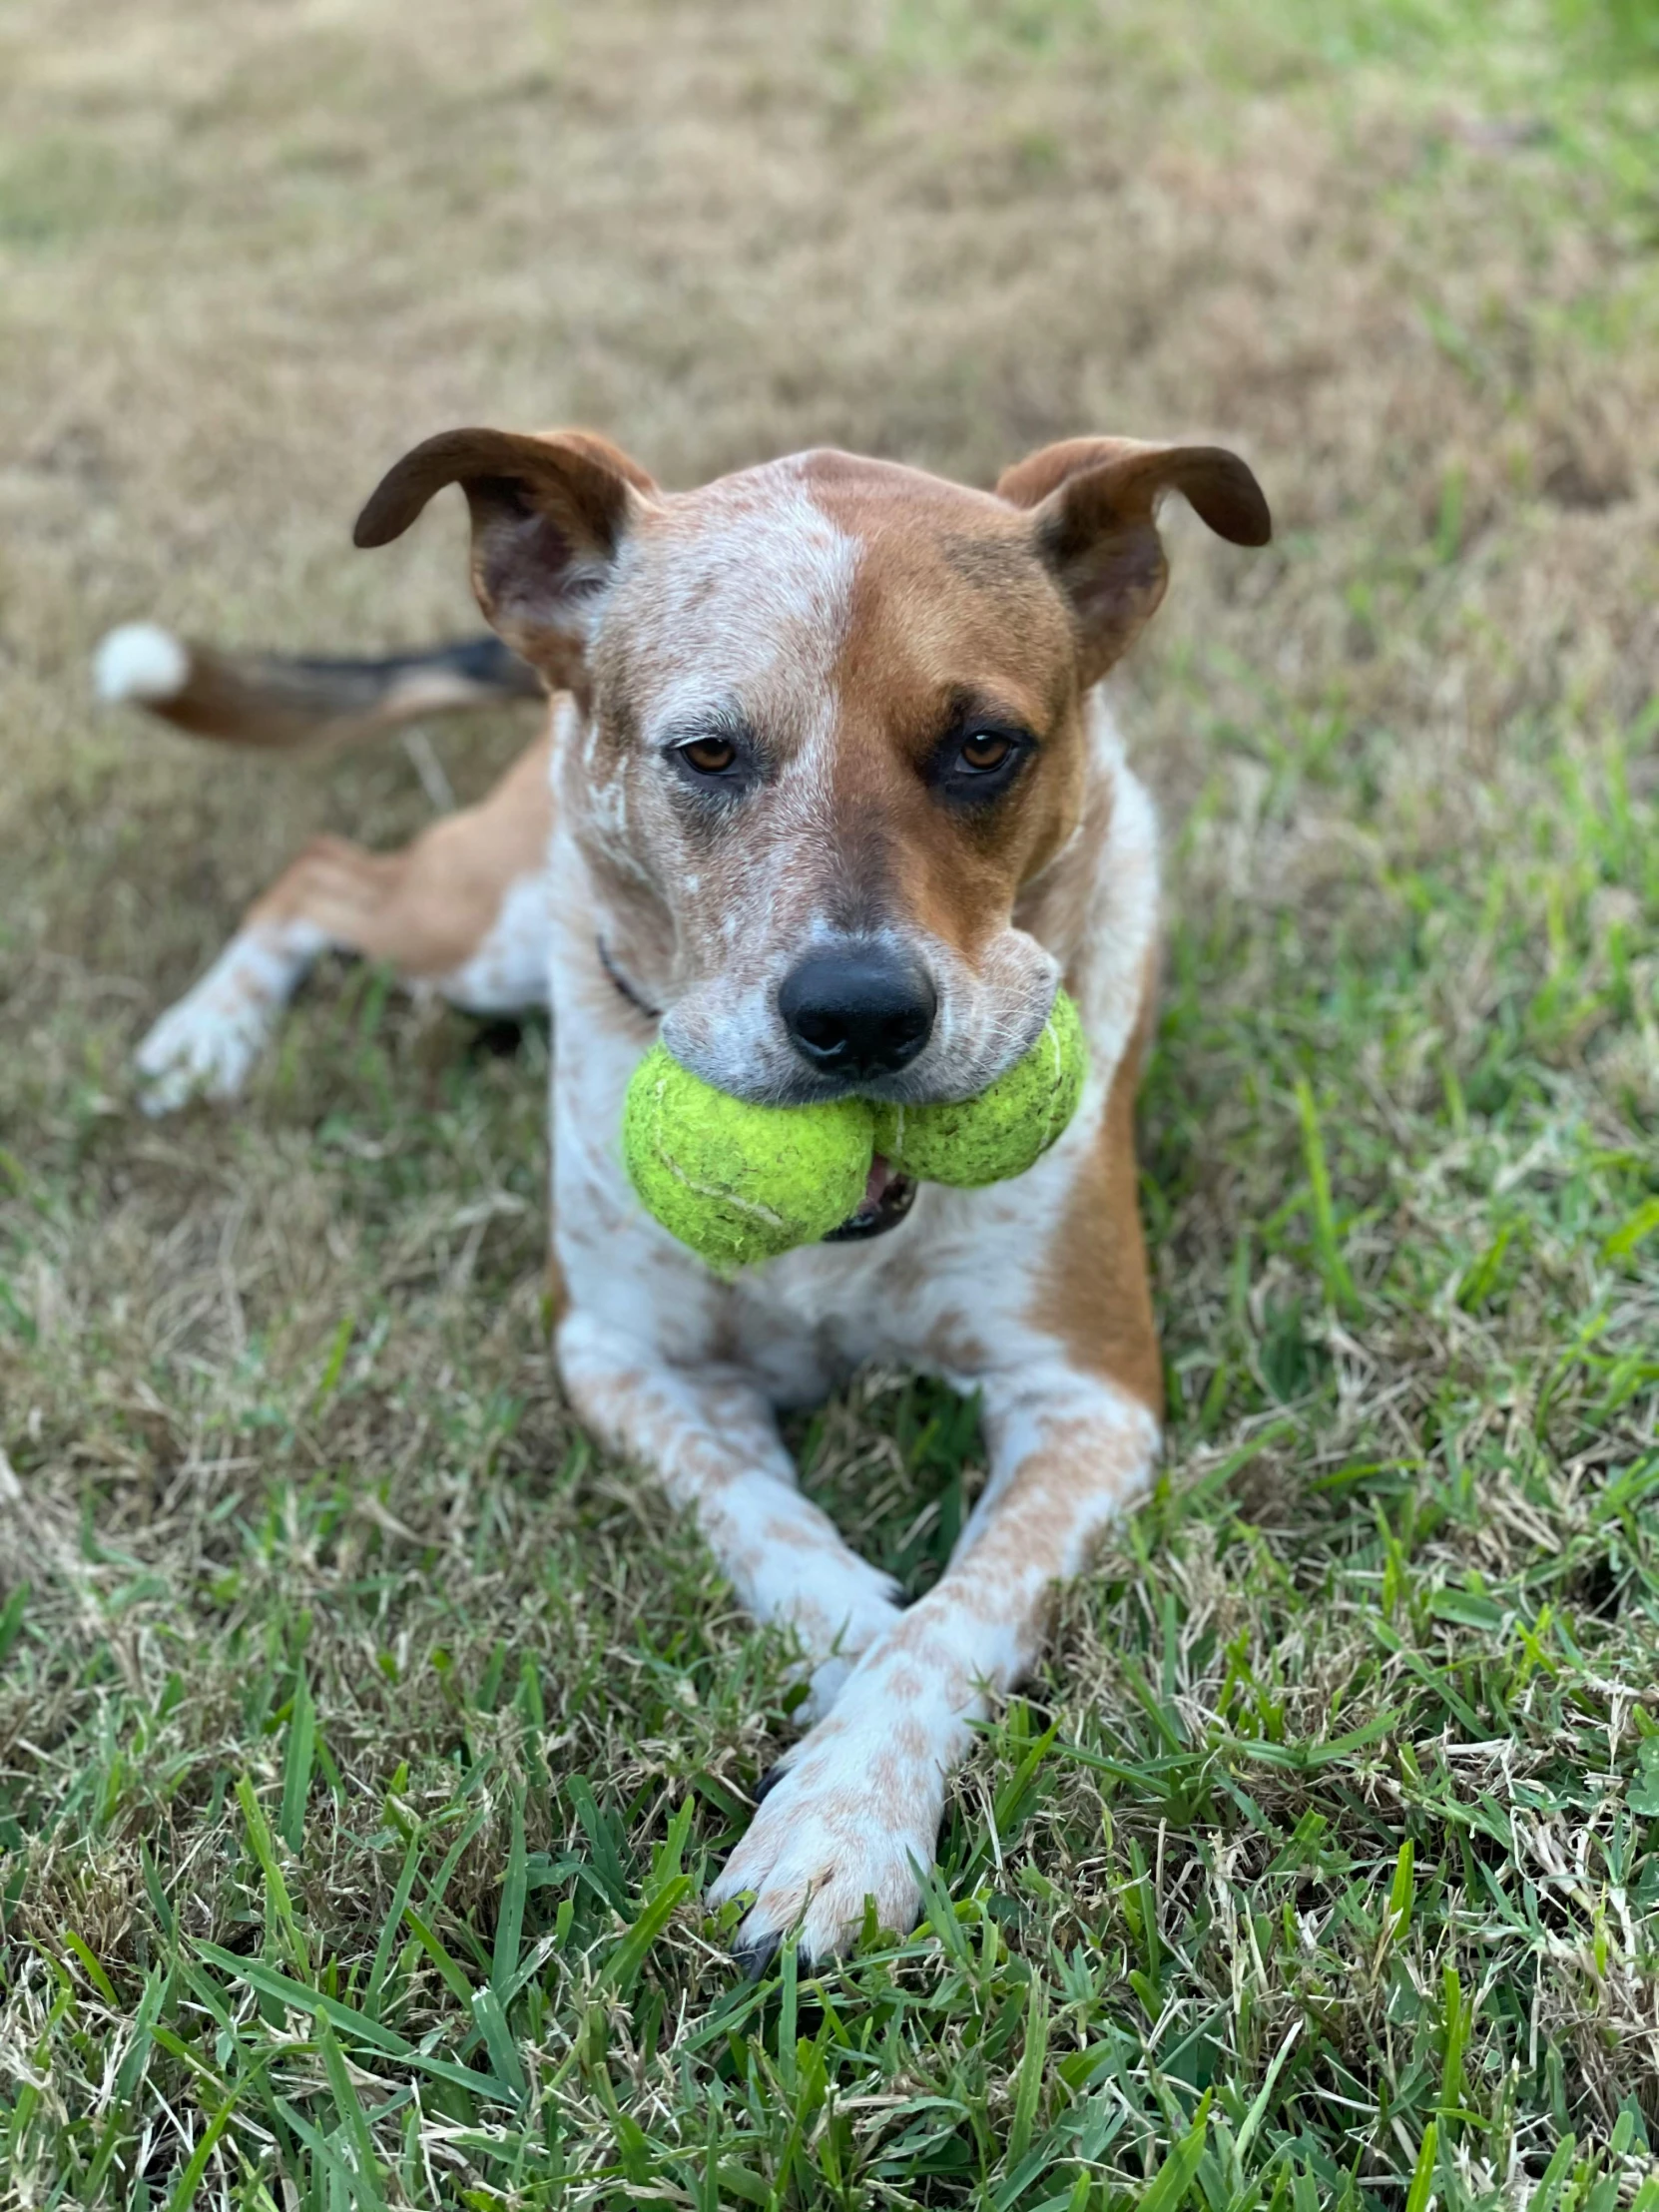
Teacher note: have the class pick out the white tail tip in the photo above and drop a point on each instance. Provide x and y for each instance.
(140, 661)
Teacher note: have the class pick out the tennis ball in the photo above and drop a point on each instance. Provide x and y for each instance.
(736, 1181)
(1006, 1128)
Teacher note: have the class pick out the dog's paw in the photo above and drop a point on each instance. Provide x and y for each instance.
(206, 1045)
(852, 1814)
(199, 1048)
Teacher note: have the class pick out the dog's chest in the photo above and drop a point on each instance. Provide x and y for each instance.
(950, 1290)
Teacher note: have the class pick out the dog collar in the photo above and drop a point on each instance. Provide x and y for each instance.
(640, 1004)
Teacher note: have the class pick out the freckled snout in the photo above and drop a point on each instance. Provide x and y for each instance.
(858, 1013)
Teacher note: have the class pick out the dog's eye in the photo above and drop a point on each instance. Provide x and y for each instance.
(979, 763)
(985, 751)
(709, 755)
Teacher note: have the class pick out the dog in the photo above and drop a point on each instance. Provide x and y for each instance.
(829, 800)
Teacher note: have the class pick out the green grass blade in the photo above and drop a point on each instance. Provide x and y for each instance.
(1028, 2083)
(1169, 2185)
(298, 1760)
(353, 2023)
(394, 1922)
(448, 1966)
(367, 2190)
(11, 1618)
(626, 1961)
(1422, 2174)
(1263, 2096)
(184, 2190)
(1543, 2198)
(510, 1926)
(498, 2042)
(276, 1890)
(94, 1972)
(1327, 1247)
(1401, 1895)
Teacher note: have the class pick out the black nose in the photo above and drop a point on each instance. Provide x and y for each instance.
(858, 1014)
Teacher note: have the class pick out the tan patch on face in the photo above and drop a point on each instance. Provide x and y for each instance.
(1055, 901)
(1093, 1296)
(952, 613)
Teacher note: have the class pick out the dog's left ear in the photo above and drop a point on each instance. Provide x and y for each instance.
(1094, 503)
(549, 514)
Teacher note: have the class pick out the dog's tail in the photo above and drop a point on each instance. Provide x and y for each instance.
(267, 699)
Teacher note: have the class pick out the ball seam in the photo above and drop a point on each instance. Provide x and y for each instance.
(748, 1206)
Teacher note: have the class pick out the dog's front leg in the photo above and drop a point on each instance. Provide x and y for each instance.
(710, 1438)
(855, 1808)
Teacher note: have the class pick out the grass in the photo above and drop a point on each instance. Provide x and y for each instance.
(365, 1739)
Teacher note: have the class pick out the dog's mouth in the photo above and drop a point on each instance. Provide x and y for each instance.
(887, 1197)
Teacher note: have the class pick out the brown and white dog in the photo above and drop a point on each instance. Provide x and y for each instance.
(830, 800)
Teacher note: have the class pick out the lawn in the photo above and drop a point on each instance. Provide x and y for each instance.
(365, 1739)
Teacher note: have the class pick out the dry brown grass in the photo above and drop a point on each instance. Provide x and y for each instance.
(246, 256)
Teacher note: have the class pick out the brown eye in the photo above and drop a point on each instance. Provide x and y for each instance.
(709, 755)
(985, 750)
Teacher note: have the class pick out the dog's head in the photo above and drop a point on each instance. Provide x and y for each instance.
(832, 723)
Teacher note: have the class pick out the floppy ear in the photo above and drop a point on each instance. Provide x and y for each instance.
(548, 517)
(1094, 501)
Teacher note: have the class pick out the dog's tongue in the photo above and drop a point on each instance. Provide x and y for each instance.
(887, 1199)
(876, 1185)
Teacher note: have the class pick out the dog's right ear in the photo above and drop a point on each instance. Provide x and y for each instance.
(1094, 502)
(549, 515)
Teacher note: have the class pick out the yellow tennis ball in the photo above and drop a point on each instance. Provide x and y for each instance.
(1003, 1131)
(736, 1181)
